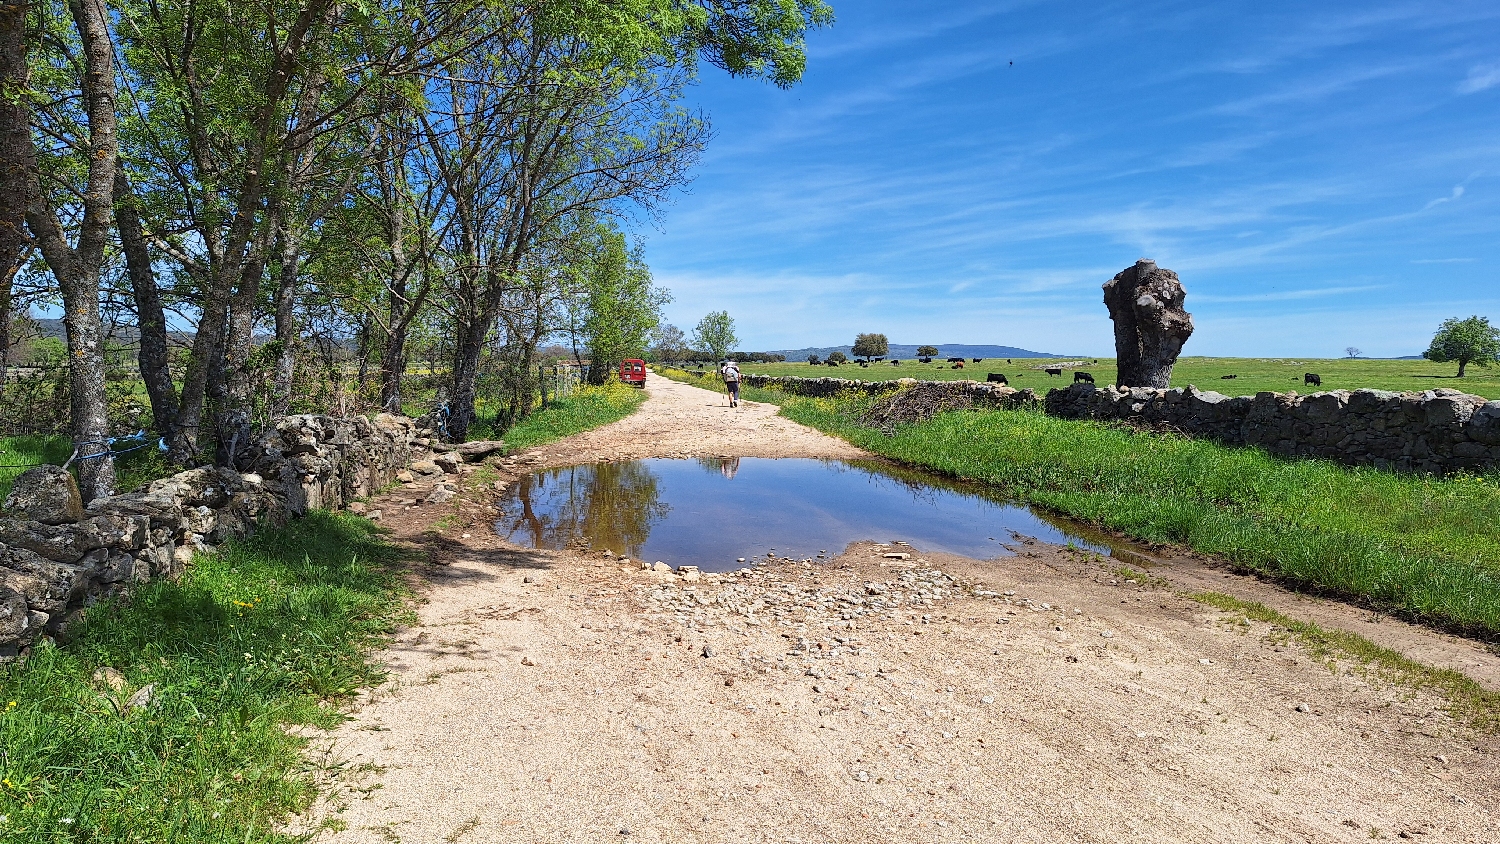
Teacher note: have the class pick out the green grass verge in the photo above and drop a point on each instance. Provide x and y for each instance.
(586, 408)
(1470, 700)
(1252, 375)
(1423, 546)
(268, 633)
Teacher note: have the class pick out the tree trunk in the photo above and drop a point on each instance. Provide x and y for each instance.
(1462, 365)
(77, 269)
(286, 323)
(150, 318)
(15, 144)
(233, 425)
(466, 353)
(183, 441)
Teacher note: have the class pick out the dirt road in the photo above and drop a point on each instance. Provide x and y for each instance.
(565, 697)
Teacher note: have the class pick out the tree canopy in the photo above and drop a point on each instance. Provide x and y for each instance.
(1466, 341)
(715, 332)
(871, 346)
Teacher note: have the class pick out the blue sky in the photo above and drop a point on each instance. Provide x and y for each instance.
(1320, 175)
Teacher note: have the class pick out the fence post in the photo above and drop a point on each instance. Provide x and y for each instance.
(541, 381)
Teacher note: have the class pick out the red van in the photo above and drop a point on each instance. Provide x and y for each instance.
(633, 372)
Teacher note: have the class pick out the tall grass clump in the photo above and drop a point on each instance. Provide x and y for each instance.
(265, 634)
(1425, 546)
(586, 408)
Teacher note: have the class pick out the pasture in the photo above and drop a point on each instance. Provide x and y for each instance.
(1252, 375)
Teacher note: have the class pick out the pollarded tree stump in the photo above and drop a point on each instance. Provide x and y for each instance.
(1151, 326)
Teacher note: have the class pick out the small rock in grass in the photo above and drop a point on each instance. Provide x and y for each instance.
(526, 660)
(1302, 707)
(107, 676)
(143, 698)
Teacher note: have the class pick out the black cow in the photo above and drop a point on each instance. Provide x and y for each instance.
(1227, 377)
(977, 360)
(995, 378)
(924, 360)
(1082, 376)
(1313, 379)
(896, 362)
(955, 360)
(1054, 372)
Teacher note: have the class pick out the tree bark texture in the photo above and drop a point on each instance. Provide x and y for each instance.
(233, 419)
(15, 143)
(286, 323)
(1146, 304)
(77, 269)
(150, 317)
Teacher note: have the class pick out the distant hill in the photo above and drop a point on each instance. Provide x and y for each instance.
(126, 334)
(902, 350)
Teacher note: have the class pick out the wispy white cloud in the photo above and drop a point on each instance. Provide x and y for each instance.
(1288, 295)
(1481, 78)
(1443, 261)
(1458, 191)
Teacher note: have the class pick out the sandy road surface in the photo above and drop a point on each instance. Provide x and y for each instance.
(563, 697)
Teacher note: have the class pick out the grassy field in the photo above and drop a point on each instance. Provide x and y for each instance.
(1426, 547)
(269, 633)
(1253, 375)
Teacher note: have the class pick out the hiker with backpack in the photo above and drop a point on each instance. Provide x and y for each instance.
(730, 372)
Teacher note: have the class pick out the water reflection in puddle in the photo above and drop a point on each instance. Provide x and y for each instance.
(711, 511)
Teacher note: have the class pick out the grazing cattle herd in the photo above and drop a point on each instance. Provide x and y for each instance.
(1311, 379)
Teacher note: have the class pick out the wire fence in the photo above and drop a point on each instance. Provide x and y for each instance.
(22, 453)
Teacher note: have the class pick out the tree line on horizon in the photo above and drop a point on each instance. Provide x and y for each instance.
(317, 193)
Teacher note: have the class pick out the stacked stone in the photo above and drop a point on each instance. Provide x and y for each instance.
(57, 556)
(991, 395)
(1436, 431)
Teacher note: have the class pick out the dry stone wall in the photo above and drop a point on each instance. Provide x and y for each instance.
(57, 556)
(1434, 431)
(1437, 431)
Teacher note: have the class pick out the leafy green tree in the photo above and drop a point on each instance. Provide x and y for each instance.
(623, 307)
(669, 344)
(927, 351)
(837, 357)
(715, 332)
(870, 346)
(1467, 341)
(813, 360)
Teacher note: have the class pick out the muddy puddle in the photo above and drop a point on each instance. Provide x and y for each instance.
(712, 512)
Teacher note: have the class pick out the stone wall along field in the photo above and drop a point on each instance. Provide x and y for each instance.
(57, 556)
(1435, 431)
